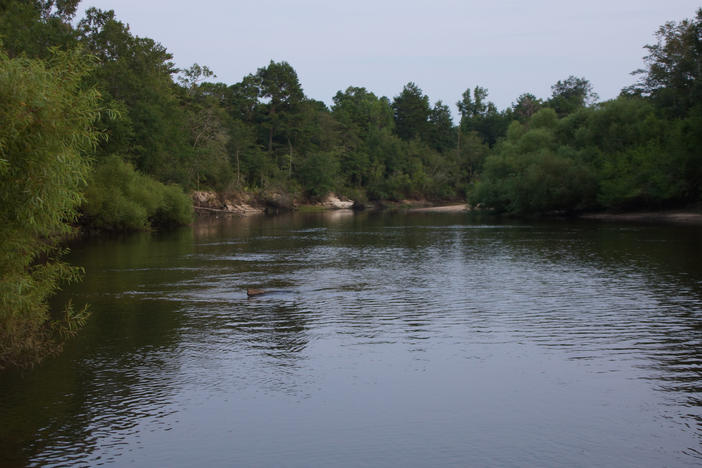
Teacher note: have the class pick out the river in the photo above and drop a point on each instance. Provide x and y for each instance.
(384, 340)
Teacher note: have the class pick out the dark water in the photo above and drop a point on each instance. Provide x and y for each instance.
(387, 340)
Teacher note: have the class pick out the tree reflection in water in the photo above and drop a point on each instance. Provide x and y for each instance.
(370, 308)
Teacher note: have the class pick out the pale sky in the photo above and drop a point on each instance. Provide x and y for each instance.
(444, 46)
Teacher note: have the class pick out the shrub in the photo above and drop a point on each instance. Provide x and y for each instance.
(119, 198)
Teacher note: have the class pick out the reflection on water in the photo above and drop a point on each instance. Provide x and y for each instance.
(417, 340)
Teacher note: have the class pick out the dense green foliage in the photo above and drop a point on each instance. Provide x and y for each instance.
(46, 130)
(171, 131)
(673, 72)
(531, 171)
(263, 133)
(32, 27)
(119, 198)
(622, 154)
(641, 150)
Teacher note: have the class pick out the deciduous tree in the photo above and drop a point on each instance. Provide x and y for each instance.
(673, 73)
(46, 133)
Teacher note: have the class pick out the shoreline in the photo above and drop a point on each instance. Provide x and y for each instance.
(247, 204)
(243, 203)
(458, 208)
(666, 217)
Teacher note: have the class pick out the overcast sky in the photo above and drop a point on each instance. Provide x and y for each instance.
(444, 46)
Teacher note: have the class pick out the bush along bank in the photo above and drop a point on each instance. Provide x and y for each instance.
(119, 198)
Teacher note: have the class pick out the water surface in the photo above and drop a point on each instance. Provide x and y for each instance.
(403, 340)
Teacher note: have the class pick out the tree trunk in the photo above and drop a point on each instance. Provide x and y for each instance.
(238, 179)
(458, 144)
(271, 116)
(290, 151)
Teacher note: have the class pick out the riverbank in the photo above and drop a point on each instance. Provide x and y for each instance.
(245, 204)
(459, 208)
(668, 217)
(241, 203)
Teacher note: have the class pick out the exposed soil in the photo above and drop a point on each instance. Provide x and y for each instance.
(442, 209)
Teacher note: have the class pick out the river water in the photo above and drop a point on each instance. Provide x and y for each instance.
(384, 340)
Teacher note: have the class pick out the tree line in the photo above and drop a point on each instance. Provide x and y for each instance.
(99, 128)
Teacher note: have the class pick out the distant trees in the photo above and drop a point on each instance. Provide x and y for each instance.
(411, 111)
(318, 173)
(640, 150)
(481, 116)
(442, 134)
(473, 106)
(208, 127)
(170, 131)
(673, 67)
(571, 94)
(263, 132)
(531, 172)
(363, 120)
(527, 105)
(622, 155)
(672, 80)
(278, 83)
(135, 76)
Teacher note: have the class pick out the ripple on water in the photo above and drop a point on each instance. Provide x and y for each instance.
(411, 344)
